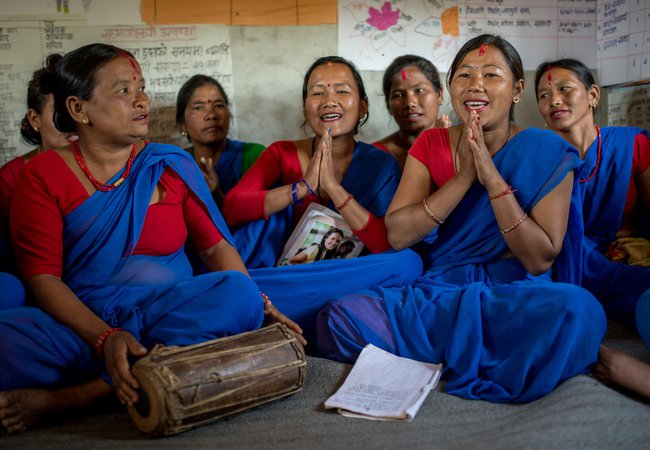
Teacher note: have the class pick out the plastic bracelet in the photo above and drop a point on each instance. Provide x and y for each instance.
(514, 225)
(311, 191)
(431, 214)
(507, 191)
(99, 345)
(265, 298)
(345, 203)
(294, 194)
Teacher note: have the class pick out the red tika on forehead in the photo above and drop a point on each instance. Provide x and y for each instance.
(403, 74)
(133, 64)
(548, 73)
(482, 50)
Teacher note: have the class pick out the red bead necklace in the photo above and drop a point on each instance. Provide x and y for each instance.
(84, 168)
(593, 172)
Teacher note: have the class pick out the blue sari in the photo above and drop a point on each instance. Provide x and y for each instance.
(300, 291)
(617, 285)
(235, 160)
(155, 298)
(504, 334)
(12, 291)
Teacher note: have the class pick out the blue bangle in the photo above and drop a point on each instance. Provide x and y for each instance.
(311, 191)
(294, 194)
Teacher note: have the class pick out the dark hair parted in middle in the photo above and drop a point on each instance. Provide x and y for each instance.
(188, 88)
(355, 73)
(580, 70)
(402, 62)
(40, 86)
(507, 50)
(75, 76)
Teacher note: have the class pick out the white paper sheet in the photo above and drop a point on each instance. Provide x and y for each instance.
(382, 386)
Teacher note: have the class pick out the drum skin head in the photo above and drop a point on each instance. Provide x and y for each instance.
(149, 413)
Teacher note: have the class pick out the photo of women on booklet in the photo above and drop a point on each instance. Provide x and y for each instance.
(321, 234)
(326, 249)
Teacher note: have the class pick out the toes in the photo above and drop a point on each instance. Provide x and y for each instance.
(16, 428)
(6, 399)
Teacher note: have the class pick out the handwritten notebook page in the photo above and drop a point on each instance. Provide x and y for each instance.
(382, 386)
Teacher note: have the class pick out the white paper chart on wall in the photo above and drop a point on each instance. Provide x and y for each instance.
(373, 32)
(629, 106)
(168, 56)
(623, 41)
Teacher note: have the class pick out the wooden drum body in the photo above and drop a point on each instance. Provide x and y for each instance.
(185, 387)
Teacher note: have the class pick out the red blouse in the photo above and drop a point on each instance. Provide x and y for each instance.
(640, 163)
(433, 149)
(8, 176)
(48, 190)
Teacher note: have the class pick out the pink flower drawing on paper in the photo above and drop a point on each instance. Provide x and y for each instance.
(385, 19)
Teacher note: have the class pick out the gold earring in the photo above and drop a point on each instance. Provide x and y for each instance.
(183, 133)
(516, 100)
(85, 120)
(36, 129)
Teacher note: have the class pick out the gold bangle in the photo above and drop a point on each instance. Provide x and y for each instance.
(514, 225)
(431, 214)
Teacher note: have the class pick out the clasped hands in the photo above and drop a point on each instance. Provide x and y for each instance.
(475, 159)
(320, 174)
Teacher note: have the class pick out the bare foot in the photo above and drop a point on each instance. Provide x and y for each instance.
(620, 369)
(21, 408)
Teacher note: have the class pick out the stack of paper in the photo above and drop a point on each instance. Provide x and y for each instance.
(382, 386)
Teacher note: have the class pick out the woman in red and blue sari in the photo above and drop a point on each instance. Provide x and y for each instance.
(491, 207)
(614, 183)
(99, 229)
(331, 168)
(36, 128)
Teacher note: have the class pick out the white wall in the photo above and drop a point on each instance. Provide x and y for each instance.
(268, 65)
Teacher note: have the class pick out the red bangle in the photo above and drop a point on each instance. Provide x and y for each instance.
(345, 203)
(99, 345)
(265, 298)
(508, 190)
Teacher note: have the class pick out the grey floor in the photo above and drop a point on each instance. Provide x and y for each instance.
(581, 413)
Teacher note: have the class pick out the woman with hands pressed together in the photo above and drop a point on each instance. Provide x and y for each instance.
(331, 168)
(494, 225)
(99, 233)
(327, 168)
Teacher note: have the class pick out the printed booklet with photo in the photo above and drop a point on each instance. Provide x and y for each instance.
(320, 234)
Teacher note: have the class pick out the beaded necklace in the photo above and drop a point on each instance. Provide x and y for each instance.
(84, 168)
